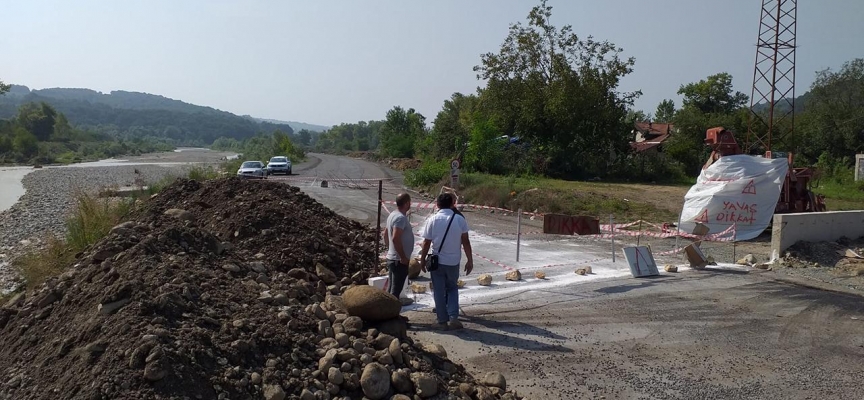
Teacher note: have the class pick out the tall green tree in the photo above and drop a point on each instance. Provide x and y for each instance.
(400, 132)
(452, 127)
(4, 87)
(37, 119)
(713, 95)
(708, 103)
(833, 120)
(665, 111)
(560, 93)
(25, 142)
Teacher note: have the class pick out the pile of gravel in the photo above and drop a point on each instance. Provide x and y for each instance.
(224, 289)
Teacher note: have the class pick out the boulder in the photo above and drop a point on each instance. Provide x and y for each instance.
(460, 284)
(370, 303)
(581, 271)
(484, 280)
(540, 275)
(670, 268)
(414, 269)
(401, 382)
(495, 379)
(514, 276)
(418, 288)
(748, 260)
(375, 381)
(426, 384)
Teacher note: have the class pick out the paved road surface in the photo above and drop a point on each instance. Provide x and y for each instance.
(724, 334)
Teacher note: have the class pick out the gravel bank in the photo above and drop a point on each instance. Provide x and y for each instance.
(48, 200)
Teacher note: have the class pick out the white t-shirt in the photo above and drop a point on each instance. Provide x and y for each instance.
(451, 251)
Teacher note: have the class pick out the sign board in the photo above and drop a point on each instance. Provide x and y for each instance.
(859, 167)
(559, 224)
(738, 190)
(641, 261)
(454, 173)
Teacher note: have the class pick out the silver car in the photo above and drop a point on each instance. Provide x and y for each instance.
(279, 165)
(252, 170)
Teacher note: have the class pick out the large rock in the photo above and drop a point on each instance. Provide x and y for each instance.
(414, 269)
(375, 381)
(495, 379)
(748, 260)
(670, 268)
(513, 276)
(325, 274)
(335, 303)
(274, 392)
(484, 280)
(402, 382)
(370, 303)
(540, 275)
(426, 384)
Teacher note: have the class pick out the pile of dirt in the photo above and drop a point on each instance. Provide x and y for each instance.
(225, 289)
(403, 164)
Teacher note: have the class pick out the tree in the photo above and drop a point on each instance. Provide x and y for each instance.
(37, 119)
(400, 132)
(305, 137)
(62, 129)
(4, 87)
(452, 126)
(713, 95)
(665, 111)
(25, 142)
(558, 92)
(833, 120)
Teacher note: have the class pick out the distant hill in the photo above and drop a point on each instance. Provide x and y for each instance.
(298, 126)
(134, 114)
(783, 105)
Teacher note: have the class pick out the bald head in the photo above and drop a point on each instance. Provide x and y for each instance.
(403, 202)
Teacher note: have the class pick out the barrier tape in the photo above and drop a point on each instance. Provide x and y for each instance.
(433, 206)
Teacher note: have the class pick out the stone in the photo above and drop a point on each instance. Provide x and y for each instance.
(274, 392)
(258, 267)
(401, 382)
(366, 359)
(325, 274)
(255, 378)
(154, 371)
(180, 214)
(322, 326)
(111, 308)
(385, 358)
(231, 267)
(335, 303)
(435, 349)
(342, 339)
(460, 284)
(400, 397)
(353, 325)
(540, 275)
(670, 268)
(335, 376)
(581, 271)
(417, 288)
(588, 269)
(425, 384)
(307, 395)
(382, 341)
(748, 260)
(298, 273)
(327, 361)
(329, 343)
(495, 379)
(483, 393)
(467, 389)
(371, 304)
(47, 299)
(513, 276)
(414, 269)
(395, 350)
(375, 381)
(484, 280)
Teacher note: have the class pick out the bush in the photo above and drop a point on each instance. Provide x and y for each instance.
(203, 173)
(93, 218)
(428, 174)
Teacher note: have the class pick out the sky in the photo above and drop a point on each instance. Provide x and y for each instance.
(333, 61)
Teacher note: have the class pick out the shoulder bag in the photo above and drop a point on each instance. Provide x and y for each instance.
(433, 259)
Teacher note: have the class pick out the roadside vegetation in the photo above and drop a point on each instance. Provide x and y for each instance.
(91, 220)
(558, 117)
(262, 147)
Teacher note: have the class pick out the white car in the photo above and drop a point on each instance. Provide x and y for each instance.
(252, 170)
(279, 165)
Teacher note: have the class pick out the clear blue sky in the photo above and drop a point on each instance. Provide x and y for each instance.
(329, 61)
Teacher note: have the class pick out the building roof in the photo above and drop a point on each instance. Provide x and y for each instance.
(654, 134)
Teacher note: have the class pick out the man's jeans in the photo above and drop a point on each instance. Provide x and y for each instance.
(397, 276)
(445, 292)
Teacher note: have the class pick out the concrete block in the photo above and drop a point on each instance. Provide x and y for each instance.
(828, 226)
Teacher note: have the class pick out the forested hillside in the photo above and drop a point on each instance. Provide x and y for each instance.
(139, 115)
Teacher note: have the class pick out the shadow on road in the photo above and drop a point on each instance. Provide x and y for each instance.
(643, 283)
(506, 334)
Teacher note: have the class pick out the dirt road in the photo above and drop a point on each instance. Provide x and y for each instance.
(730, 334)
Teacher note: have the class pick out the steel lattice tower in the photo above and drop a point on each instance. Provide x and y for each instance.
(774, 75)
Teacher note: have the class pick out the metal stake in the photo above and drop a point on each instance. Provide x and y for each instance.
(518, 233)
(378, 231)
(612, 229)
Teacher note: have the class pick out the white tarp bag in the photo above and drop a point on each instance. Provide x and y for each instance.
(740, 191)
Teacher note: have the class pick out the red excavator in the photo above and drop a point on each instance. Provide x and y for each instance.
(795, 196)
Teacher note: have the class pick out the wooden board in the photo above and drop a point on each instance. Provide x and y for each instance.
(641, 261)
(559, 224)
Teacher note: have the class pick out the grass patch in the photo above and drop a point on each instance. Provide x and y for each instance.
(91, 220)
(627, 202)
(841, 196)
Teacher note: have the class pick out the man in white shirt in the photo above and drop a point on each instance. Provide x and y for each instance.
(446, 233)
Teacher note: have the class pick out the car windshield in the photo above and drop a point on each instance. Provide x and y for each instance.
(251, 164)
(278, 160)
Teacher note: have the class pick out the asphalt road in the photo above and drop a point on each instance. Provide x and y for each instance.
(725, 333)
